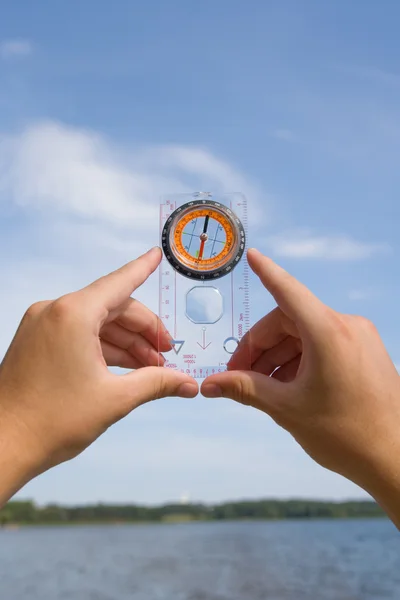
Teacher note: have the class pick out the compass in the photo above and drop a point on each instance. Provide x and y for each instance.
(203, 240)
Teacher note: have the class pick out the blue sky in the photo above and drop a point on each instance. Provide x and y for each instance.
(106, 105)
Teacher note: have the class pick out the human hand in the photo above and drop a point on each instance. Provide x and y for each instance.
(56, 393)
(325, 377)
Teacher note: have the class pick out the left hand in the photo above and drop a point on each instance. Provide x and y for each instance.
(56, 393)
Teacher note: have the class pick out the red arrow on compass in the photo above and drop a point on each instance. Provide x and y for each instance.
(203, 346)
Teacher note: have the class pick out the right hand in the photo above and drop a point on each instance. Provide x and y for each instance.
(327, 379)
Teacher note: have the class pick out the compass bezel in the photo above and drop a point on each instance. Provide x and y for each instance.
(168, 242)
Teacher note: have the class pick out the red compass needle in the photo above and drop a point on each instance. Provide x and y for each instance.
(204, 237)
(201, 251)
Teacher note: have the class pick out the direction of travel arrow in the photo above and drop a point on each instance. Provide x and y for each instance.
(203, 345)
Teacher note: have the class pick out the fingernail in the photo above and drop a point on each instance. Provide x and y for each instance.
(153, 250)
(187, 390)
(211, 390)
(254, 250)
(165, 341)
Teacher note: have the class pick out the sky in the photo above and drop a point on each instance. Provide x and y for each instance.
(105, 106)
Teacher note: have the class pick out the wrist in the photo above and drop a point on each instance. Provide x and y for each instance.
(386, 493)
(19, 462)
(382, 478)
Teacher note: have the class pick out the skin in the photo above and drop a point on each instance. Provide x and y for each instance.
(326, 378)
(56, 393)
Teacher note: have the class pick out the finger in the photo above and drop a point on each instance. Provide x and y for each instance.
(247, 387)
(288, 371)
(295, 300)
(111, 291)
(267, 333)
(243, 357)
(133, 343)
(117, 357)
(278, 356)
(152, 383)
(138, 318)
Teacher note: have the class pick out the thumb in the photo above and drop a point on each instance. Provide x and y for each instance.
(151, 383)
(250, 388)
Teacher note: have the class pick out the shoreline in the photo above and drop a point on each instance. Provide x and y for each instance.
(112, 523)
(27, 512)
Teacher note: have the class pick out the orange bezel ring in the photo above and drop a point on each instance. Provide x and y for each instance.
(211, 268)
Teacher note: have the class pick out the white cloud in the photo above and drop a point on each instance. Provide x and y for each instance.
(286, 135)
(15, 48)
(363, 294)
(371, 73)
(340, 248)
(69, 171)
(358, 295)
(76, 172)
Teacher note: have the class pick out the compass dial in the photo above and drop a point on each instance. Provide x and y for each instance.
(203, 239)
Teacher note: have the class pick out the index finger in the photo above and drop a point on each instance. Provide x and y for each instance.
(137, 318)
(293, 298)
(112, 291)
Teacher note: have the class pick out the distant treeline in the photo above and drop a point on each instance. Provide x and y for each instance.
(26, 512)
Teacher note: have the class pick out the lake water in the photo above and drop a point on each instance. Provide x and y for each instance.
(288, 560)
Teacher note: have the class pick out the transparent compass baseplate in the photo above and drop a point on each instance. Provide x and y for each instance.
(204, 298)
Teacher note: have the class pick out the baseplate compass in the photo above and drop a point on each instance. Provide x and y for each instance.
(204, 279)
